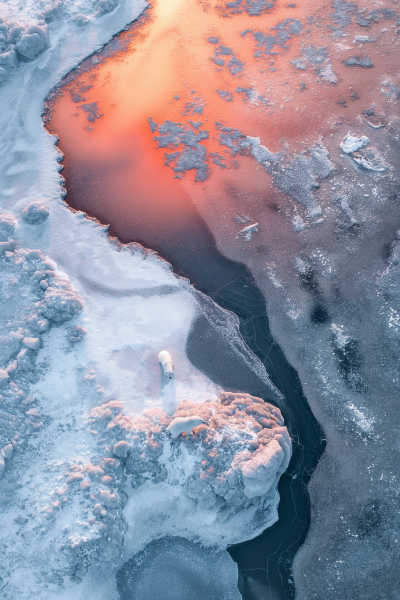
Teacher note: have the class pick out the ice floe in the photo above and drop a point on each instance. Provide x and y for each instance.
(352, 143)
(362, 153)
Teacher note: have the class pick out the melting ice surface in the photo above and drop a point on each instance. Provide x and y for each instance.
(90, 477)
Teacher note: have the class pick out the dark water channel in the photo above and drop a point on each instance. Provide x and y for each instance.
(264, 563)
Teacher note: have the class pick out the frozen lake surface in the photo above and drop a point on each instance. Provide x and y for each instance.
(255, 147)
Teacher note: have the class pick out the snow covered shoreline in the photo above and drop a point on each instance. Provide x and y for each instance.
(82, 330)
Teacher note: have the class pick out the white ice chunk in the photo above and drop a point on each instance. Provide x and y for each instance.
(17, 337)
(4, 377)
(9, 60)
(35, 213)
(249, 231)
(31, 343)
(8, 451)
(352, 143)
(370, 159)
(12, 367)
(34, 41)
(261, 472)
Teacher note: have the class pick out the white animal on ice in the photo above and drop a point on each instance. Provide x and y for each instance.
(165, 360)
(183, 424)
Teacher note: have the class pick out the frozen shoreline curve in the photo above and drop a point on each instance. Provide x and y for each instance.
(63, 483)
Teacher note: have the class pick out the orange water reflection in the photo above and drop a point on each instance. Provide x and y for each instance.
(113, 168)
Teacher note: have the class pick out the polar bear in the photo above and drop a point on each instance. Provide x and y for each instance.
(165, 359)
(183, 424)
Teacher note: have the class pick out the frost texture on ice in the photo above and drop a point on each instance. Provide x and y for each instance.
(295, 175)
(282, 33)
(252, 7)
(225, 57)
(190, 153)
(318, 60)
(348, 218)
(357, 61)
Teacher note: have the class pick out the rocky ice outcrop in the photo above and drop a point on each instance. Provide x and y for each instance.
(35, 213)
(20, 43)
(33, 298)
(318, 60)
(237, 430)
(229, 465)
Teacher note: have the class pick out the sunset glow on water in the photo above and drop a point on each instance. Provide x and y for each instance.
(206, 69)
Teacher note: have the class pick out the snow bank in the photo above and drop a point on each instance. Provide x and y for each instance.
(103, 482)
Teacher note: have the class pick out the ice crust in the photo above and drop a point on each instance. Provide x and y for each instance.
(333, 299)
(318, 60)
(296, 175)
(88, 473)
(362, 153)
